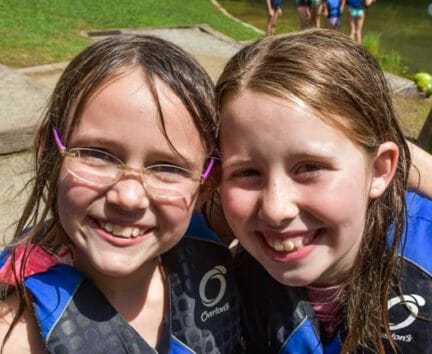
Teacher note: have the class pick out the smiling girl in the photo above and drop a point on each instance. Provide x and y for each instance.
(98, 263)
(314, 175)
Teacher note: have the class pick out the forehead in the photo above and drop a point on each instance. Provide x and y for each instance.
(261, 112)
(252, 121)
(124, 110)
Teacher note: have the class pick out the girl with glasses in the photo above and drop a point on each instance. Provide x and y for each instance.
(98, 263)
(314, 180)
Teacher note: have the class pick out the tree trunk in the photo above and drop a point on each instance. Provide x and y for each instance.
(424, 139)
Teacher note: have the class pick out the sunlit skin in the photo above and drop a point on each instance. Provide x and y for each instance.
(121, 118)
(295, 189)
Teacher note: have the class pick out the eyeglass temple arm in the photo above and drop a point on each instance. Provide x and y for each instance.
(58, 140)
(208, 169)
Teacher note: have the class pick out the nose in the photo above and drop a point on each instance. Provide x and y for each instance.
(278, 202)
(128, 194)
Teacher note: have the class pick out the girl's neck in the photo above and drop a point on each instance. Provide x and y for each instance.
(326, 302)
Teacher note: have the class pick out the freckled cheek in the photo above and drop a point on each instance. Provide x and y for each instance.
(341, 204)
(238, 206)
(73, 197)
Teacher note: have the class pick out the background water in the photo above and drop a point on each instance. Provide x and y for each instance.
(403, 26)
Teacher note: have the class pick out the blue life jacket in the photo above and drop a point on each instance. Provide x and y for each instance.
(203, 315)
(334, 8)
(280, 319)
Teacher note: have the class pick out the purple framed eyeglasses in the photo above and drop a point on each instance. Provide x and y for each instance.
(102, 169)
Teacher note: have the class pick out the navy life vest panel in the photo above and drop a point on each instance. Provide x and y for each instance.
(75, 317)
(279, 319)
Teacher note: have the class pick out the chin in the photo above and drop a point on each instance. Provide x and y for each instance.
(294, 279)
(114, 270)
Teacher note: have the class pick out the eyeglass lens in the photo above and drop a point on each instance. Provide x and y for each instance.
(102, 169)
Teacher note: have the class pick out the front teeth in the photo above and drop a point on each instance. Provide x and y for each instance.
(284, 246)
(122, 231)
(298, 244)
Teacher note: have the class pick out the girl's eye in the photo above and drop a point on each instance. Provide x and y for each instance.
(168, 171)
(94, 156)
(309, 170)
(247, 178)
(246, 173)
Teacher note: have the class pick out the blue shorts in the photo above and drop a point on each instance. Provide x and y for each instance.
(355, 12)
(308, 3)
(276, 4)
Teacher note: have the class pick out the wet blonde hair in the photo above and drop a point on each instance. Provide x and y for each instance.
(343, 84)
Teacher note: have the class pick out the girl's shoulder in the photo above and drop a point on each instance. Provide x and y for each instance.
(25, 336)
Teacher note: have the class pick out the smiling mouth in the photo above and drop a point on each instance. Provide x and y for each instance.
(290, 245)
(121, 231)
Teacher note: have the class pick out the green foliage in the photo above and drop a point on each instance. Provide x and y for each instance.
(392, 62)
(389, 61)
(371, 43)
(47, 31)
(423, 80)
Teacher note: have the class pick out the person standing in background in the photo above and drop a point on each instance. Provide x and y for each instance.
(316, 7)
(333, 10)
(309, 13)
(356, 15)
(274, 10)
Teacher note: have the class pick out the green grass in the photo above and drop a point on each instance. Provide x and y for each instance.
(37, 32)
(390, 61)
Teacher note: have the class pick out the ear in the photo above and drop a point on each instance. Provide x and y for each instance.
(383, 168)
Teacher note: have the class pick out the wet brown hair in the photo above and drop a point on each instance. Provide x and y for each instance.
(86, 73)
(335, 77)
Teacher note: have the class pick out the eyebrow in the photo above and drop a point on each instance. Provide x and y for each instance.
(91, 140)
(313, 150)
(233, 160)
(319, 150)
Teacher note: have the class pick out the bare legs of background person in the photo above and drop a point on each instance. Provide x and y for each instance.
(272, 21)
(315, 19)
(304, 16)
(310, 16)
(356, 28)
